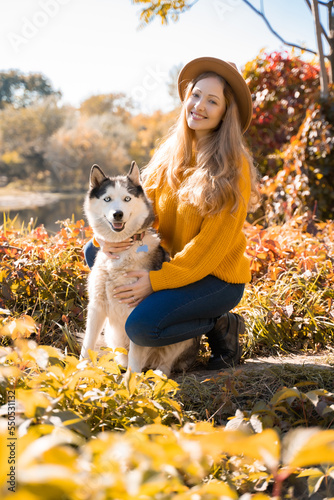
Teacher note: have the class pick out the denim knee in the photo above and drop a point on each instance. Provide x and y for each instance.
(138, 326)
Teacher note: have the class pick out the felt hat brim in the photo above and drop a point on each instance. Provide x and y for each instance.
(230, 73)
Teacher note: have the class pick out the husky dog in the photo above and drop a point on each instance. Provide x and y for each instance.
(117, 209)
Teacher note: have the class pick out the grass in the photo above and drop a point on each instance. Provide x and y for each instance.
(218, 397)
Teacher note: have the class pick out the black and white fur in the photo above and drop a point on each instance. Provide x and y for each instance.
(117, 209)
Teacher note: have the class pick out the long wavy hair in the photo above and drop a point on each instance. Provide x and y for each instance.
(205, 173)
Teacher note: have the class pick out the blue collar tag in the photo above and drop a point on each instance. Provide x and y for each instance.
(142, 248)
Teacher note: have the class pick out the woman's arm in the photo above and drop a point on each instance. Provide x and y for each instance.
(112, 249)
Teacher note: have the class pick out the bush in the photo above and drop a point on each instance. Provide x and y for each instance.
(289, 304)
(45, 277)
(283, 87)
(305, 181)
(63, 405)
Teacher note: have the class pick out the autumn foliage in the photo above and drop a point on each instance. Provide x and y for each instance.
(283, 86)
(305, 181)
(87, 430)
(45, 277)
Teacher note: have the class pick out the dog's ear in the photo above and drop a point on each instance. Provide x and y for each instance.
(97, 176)
(134, 174)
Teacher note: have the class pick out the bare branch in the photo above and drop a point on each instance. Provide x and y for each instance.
(261, 14)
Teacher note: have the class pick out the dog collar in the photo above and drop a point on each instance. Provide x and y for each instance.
(135, 237)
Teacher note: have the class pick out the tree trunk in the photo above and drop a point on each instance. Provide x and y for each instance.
(324, 92)
(331, 41)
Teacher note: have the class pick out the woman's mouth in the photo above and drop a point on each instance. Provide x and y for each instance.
(196, 116)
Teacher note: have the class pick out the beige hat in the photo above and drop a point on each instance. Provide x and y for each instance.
(230, 73)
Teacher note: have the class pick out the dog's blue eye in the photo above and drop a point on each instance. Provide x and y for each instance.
(127, 198)
(107, 199)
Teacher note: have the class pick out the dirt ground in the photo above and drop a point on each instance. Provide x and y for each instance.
(323, 360)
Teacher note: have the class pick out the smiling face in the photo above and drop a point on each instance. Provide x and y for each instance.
(206, 106)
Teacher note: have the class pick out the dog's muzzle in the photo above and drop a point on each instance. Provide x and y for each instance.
(117, 223)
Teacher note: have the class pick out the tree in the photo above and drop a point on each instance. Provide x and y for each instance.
(164, 9)
(23, 134)
(22, 90)
(172, 9)
(118, 104)
(172, 84)
(149, 130)
(75, 147)
(324, 91)
(319, 31)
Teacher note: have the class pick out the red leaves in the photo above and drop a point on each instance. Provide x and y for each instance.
(45, 277)
(305, 180)
(277, 249)
(280, 100)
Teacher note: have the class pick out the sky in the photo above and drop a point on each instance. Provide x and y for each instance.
(89, 47)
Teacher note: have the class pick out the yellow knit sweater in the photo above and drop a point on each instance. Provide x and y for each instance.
(199, 245)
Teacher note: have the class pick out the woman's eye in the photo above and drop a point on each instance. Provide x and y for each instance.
(127, 198)
(107, 199)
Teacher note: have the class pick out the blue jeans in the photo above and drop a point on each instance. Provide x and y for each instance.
(169, 316)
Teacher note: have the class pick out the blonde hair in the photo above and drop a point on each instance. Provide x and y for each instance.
(211, 182)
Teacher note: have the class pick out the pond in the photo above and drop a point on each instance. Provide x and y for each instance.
(59, 209)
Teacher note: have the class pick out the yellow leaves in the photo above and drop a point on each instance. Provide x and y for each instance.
(264, 446)
(12, 158)
(157, 459)
(64, 403)
(21, 327)
(83, 376)
(130, 382)
(8, 372)
(107, 363)
(158, 430)
(209, 491)
(32, 401)
(49, 461)
(316, 447)
(285, 394)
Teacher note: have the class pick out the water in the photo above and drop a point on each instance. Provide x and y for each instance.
(47, 215)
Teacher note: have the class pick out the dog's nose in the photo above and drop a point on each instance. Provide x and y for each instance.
(118, 215)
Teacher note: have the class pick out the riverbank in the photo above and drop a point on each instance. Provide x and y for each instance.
(20, 200)
(15, 199)
(42, 207)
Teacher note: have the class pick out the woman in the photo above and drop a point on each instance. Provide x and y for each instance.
(202, 182)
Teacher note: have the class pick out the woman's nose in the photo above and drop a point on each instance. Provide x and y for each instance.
(199, 104)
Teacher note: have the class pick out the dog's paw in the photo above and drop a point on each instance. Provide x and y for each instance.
(83, 355)
(122, 360)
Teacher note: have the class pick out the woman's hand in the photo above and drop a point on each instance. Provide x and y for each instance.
(112, 249)
(135, 292)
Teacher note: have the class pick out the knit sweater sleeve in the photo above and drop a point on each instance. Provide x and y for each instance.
(220, 236)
